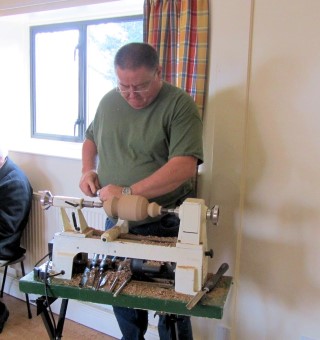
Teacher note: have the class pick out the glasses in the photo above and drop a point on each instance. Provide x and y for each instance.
(145, 87)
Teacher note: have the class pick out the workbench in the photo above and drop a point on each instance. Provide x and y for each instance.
(161, 300)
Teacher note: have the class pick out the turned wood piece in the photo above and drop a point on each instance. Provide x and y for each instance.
(131, 208)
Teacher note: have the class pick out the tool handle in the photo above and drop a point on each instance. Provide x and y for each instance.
(111, 234)
(212, 283)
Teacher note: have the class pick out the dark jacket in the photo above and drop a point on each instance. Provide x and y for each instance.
(15, 205)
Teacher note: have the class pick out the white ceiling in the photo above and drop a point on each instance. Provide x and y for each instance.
(10, 7)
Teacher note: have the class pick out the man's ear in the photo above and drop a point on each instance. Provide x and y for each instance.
(159, 71)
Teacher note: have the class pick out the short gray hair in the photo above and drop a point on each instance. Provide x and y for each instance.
(135, 55)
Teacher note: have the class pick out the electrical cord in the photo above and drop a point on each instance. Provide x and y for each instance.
(46, 278)
(46, 287)
(49, 254)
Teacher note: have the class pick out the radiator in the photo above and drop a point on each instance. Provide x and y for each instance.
(43, 224)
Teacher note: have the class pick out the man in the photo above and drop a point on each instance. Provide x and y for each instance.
(146, 139)
(15, 205)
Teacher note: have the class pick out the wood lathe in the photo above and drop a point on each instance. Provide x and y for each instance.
(190, 252)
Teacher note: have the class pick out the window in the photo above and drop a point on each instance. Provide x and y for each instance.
(71, 69)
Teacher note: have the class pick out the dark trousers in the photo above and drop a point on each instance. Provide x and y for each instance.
(133, 323)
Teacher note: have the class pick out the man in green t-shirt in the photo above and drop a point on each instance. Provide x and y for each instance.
(145, 139)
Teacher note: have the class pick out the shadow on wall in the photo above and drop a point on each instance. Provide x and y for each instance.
(280, 221)
(227, 124)
(229, 147)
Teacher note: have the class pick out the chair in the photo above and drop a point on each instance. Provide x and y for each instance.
(20, 259)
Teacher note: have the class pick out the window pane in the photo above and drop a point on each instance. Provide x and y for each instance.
(56, 82)
(72, 68)
(103, 41)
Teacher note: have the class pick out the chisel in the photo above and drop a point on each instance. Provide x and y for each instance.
(122, 286)
(210, 284)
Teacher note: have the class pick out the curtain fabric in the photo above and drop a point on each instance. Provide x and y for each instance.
(178, 30)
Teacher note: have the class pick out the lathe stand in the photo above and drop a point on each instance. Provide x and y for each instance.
(54, 330)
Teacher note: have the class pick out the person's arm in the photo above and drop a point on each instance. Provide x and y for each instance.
(166, 179)
(89, 183)
(14, 207)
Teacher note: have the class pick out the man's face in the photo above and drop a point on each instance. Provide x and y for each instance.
(139, 87)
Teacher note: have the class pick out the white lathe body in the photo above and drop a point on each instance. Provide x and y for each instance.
(190, 252)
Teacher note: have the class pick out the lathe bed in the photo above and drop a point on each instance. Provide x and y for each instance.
(139, 295)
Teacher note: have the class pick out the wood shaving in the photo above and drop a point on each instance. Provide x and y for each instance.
(148, 289)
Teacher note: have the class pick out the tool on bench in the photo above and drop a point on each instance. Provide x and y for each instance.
(105, 276)
(103, 266)
(210, 284)
(93, 271)
(123, 284)
(85, 275)
(116, 279)
(89, 272)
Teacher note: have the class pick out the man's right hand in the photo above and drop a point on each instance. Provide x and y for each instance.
(89, 183)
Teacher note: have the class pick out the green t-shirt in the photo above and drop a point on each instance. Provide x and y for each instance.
(133, 143)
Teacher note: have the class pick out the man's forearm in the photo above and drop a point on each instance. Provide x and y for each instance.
(89, 156)
(89, 182)
(168, 178)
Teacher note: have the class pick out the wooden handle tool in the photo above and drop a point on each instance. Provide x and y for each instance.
(210, 284)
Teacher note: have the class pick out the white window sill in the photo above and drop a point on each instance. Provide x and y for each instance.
(50, 148)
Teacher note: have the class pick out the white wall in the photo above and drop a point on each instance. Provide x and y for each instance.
(264, 114)
(262, 149)
(279, 283)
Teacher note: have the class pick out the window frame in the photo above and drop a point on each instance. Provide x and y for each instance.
(81, 121)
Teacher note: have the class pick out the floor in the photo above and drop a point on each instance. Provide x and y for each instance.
(18, 326)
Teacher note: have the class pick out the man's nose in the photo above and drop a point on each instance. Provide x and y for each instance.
(132, 92)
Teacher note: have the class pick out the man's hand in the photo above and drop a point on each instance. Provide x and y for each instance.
(89, 183)
(110, 191)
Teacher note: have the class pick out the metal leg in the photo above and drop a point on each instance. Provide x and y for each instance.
(55, 333)
(4, 280)
(27, 295)
(42, 310)
(62, 317)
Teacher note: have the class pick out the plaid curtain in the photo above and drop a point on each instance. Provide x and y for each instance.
(178, 29)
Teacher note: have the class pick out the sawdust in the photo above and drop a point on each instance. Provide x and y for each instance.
(145, 289)
(218, 294)
(165, 241)
(134, 288)
(163, 290)
(112, 280)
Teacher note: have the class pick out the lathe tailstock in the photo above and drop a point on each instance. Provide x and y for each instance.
(190, 251)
